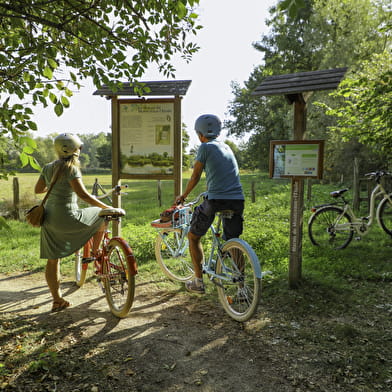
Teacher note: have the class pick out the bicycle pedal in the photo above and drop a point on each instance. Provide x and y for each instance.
(86, 260)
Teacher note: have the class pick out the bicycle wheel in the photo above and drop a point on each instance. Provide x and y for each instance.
(323, 230)
(119, 277)
(385, 215)
(80, 268)
(239, 285)
(172, 255)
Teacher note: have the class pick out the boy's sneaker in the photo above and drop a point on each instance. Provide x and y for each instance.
(195, 286)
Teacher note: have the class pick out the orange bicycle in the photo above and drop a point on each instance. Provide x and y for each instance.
(115, 265)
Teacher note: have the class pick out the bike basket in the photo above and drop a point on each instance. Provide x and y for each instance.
(182, 217)
(174, 217)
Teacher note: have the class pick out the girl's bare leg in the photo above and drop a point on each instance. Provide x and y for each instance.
(97, 238)
(52, 275)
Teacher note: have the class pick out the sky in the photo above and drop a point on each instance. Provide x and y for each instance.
(226, 54)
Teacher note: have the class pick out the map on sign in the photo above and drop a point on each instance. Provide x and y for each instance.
(296, 159)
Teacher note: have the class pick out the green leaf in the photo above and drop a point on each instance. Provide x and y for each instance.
(58, 109)
(24, 159)
(34, 164)
(29, 141)
(53, 97)
(32, 125)
(181, 10)
(65, 101)
(48, 73)
(28, 149)
(52, 63)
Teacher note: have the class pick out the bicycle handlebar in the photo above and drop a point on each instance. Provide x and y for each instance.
(116, 190)
(195, 201)
(378, 174)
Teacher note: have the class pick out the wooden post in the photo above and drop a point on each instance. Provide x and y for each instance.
(356, 186)
(297, 200)
(159, 193)
(15, 183)
(177, 147)
(116, 225)
(309, 190)
(253, 190)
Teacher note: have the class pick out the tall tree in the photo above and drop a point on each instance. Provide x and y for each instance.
(48, 47)
(365, 112)
(323, 34)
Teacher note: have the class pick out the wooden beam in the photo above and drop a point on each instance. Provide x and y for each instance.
(297, 201)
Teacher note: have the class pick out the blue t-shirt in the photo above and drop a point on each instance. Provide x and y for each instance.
(222, 174)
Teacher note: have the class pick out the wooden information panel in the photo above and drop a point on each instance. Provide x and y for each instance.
(292, 158)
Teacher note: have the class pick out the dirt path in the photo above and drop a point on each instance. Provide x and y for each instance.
(171, 341)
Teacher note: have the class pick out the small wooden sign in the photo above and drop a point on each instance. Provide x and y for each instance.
(296, 158)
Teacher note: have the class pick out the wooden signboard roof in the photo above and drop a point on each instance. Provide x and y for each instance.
(158, 88)
(300, 82)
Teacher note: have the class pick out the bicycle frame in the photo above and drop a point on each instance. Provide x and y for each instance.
(103, 256)
(216, 249)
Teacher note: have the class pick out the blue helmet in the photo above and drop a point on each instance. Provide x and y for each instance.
(208, 125)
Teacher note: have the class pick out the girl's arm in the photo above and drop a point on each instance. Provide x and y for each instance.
(79, 188)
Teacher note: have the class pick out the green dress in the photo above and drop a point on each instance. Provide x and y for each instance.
(66, 227)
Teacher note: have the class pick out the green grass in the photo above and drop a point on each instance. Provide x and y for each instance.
(266, 229)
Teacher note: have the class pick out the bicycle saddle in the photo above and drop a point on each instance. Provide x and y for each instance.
(338, 193)
(112, 212)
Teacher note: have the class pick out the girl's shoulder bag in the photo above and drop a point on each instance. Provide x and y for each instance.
(35, 215)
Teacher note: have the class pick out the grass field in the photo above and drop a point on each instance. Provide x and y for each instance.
(266, 225)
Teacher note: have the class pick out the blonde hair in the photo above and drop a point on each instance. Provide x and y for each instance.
(65, 165)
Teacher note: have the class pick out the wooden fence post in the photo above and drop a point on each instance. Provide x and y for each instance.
(253, 190)
(356, 186)
(159, 193)
(16, 211)
(309, 189)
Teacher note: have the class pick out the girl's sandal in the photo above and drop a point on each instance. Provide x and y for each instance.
(60, 305)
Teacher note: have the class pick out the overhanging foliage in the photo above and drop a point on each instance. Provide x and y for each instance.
(48, 47)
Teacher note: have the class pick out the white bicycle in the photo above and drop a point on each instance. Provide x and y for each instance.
(232, 265)
(333, 225)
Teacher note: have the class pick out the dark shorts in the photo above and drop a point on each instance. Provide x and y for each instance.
(204, 215)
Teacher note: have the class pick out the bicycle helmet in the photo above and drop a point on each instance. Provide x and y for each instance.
(208, 125)
(67, 144)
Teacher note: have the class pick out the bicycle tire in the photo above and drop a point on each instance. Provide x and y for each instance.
(80, 268)
(385, 215)
(119, 277)
(321, 228)
(172, 255)
(240, 294)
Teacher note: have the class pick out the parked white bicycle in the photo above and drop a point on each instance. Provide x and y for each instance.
(334, 224)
